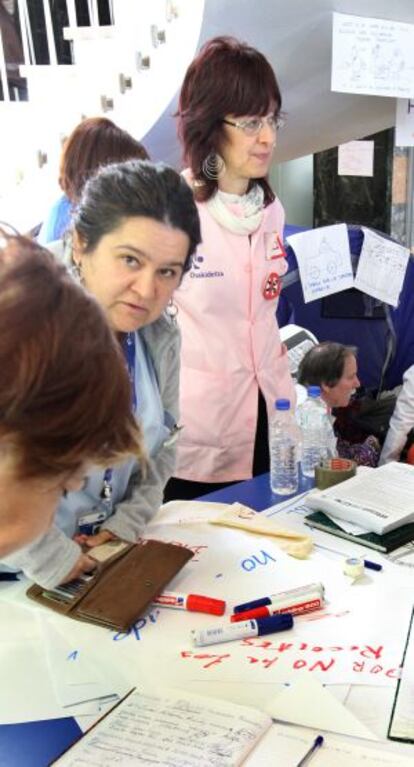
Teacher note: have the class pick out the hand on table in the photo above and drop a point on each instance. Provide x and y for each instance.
(83, 564)
(96, 540)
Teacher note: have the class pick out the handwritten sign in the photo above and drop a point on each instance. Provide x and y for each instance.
(264, 660)
(372, 56)
(324, 261)
(381, 267)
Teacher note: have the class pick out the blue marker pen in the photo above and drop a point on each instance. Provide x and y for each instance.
(309, 588)
(229, 632)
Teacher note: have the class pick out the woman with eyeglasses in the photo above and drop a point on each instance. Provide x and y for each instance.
(233, 365)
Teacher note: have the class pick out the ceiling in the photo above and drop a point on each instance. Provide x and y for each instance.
(295, 35)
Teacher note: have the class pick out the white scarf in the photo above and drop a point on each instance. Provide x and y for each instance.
(240, 214)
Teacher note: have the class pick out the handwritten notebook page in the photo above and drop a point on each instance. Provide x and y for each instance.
(172, 730)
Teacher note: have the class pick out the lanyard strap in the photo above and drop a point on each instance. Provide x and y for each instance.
(129, 352)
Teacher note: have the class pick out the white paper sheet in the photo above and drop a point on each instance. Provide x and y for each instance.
(76, 674)
(404, 122)
(286, 745)
(324, 261)
(26, 690)
(381, 267)
(356, 158)
(308, 703)
(372, 56)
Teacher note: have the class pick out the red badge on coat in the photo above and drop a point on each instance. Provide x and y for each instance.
(272, 286)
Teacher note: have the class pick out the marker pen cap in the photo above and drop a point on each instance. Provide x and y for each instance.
(372, 565)
(298, 606)
(252, 605)
(200, 604)
(256, 612)
(274, 623)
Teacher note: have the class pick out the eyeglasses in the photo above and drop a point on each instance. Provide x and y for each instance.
(254, 125)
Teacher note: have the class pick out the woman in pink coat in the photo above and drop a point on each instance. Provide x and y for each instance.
(233, 365)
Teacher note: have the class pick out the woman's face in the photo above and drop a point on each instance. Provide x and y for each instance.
(28, 506)
(340, 394)
(134, 270)
(245, 156)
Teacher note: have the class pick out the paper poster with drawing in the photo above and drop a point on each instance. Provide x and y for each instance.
(381, 267)
(324, 261)
(372, 56)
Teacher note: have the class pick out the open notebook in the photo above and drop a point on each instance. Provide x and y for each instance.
(174, 729)
(402, 717)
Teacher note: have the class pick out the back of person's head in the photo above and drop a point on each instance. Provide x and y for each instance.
(324, 364)
(96, 141)
(227, 77)
(65, 397)
(136, 189)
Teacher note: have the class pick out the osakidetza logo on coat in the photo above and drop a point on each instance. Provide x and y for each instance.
(198, 271)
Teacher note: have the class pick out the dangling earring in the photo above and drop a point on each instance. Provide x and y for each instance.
(213, 166)
(171, 309)
(76, 271)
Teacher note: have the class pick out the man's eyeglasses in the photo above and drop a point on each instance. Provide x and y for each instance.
(253, 125)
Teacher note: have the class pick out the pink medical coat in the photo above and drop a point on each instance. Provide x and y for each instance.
(230, 347)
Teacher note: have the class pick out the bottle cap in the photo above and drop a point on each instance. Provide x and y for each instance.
(274, 623)
(282, 404)
(314, 391)
(200, 604)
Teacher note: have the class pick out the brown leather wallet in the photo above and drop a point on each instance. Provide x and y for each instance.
(128, 577)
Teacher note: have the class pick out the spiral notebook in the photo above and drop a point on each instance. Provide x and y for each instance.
(172, 729)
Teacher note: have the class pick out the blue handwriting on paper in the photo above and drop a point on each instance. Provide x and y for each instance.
(256, 559)
(136, 629)
(73, 655)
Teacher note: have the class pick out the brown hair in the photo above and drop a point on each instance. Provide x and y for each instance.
(94, 142)
(226, 77)
(324, 363)
(65, 396)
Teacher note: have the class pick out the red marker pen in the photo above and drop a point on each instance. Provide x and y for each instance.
(302, 604)
(192, 602)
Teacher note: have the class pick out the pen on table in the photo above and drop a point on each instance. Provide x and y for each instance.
(296, 605)
(192, 602)
(317, 743)
(264, 601)
(229, 632)
(372, 565)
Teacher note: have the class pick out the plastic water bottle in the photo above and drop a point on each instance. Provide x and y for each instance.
(318, 440)
(284, 445)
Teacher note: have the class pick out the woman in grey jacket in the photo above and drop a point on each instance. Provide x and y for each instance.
(134, 232)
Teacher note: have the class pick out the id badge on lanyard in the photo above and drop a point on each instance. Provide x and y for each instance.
(90, 522)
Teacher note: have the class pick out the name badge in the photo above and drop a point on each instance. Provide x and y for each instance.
(274, 247)
(90, 522)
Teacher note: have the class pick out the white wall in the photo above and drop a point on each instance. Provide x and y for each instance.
(293, 183)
